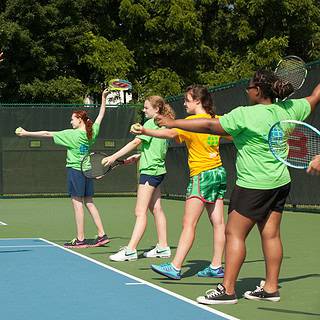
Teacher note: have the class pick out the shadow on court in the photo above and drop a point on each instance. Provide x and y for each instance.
(14, 251)
(291, 312)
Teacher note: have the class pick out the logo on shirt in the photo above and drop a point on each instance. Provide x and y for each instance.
(84, 149)
(213, 140)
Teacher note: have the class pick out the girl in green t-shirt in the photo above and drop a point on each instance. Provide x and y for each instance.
(152, 171)
(263, 183)
(78, 141)
(206, 188)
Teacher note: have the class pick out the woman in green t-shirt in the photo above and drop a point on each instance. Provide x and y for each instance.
(152, 171)
(78, 142)
(263, 183)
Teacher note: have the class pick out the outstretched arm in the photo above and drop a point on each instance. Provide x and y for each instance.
(211, 126)
(161, 133)
(102, 110)
(35, 134)
(314, 98)
(120, 153)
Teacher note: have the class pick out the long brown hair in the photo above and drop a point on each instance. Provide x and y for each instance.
(83, 115)
(201, 93)
(164, 108)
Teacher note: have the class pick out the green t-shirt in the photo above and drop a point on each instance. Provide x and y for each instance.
(77, 144)
(249, 126)
(153, 152)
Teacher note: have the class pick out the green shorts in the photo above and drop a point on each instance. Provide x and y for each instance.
(208, 186)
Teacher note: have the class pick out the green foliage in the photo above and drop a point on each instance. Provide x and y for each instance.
(55, 90)
(162, 81)
(105, 59)
(161, 46)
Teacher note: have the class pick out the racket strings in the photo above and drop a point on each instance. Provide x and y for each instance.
(294, 143)
(292, 70)
(93, 167)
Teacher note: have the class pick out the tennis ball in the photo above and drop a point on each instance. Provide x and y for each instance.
(136, 127)
(18, 130)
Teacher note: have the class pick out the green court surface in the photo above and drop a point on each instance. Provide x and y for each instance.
(52, 219)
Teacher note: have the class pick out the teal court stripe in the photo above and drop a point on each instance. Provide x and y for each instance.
(141, 281)
(45, 280)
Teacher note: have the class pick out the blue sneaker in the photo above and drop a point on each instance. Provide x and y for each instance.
(211, 273)
(167, 270)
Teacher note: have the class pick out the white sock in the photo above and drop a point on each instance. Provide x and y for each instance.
(175, 267)
(214, 267)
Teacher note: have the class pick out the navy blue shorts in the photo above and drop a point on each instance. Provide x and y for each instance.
(153, 181)
(78, 184)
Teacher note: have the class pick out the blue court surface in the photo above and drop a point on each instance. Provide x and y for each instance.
(42, 280)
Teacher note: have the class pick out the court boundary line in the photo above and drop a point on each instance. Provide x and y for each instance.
(173, 294)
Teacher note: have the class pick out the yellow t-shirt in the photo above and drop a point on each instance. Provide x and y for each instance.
(203, 148)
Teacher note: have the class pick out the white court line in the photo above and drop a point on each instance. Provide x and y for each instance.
(2, 223)
(134, 283)
(141, 281)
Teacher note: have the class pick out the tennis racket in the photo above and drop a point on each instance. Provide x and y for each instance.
(91, 166)
(292, 69)
(294, 143)
(119, 85)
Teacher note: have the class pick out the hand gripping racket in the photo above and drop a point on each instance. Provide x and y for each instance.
(91, 166)
(119, 85)
(292, 69)
(294, 143)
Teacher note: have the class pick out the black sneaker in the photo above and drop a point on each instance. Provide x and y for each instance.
(260, 294)
(75, 243)
(100, 241)
(218, 296)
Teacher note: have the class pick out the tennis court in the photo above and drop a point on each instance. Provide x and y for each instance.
(42, 279)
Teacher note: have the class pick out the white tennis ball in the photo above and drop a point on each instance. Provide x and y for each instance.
(18, 130)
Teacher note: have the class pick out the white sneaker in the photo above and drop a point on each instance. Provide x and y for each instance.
(124, 255)
(158, 252)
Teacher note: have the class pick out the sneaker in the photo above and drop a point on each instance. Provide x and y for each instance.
(260, 294)
(211, 273)
(158, 252)
(75, 243)
(167, 270)
(100, 241)
(218, 296)
(124, 255)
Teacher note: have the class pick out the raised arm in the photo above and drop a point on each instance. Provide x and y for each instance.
(34, 134)
(120, 153)
(102, 109)
(314, 98)
(211, 126)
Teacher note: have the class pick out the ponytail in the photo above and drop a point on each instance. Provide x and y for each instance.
(201, 93)
(271, 85)
(87, 122)
(164, 108)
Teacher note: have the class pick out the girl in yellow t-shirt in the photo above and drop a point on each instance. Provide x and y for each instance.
(206, 188)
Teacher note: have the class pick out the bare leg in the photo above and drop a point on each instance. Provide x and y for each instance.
(216, 216)
(192, 213)
(272, 249)
(144, 196)
(237, 229)
(79, 216)
(159, 217)
(88, 201)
